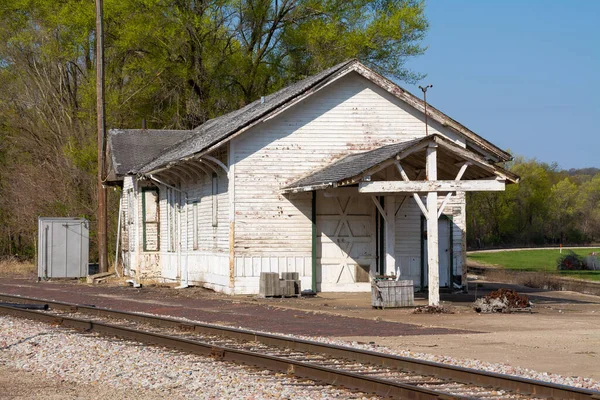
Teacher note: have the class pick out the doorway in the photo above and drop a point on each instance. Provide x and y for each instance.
(444, 252)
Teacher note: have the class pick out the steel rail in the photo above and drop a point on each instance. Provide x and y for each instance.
(458, 374)
(298, 369)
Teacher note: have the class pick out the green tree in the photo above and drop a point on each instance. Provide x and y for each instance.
(174, 63)
(561, 209)
(588, 208)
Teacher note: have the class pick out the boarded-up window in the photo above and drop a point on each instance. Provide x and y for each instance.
(131, 210)
(130, 207)
(215, 203)
(171, 219)
(150, 219)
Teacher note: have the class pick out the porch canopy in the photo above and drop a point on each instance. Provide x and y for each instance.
(431, 166)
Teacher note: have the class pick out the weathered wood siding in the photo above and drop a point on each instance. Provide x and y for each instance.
(458, 210)
(127, 224)
(273, 232)
(409, 236)
(196, 243)
(207, 261)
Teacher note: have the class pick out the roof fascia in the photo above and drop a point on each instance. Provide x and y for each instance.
(476, 159)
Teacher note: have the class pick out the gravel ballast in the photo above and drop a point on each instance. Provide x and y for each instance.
(60, 354)
(64, 355)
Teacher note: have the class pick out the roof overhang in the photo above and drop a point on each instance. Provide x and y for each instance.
(255, 113)
(363, 167)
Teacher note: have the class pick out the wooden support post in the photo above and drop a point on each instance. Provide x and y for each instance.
(390, 231)
(432, 230)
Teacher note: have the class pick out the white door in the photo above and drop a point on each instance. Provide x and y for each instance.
(346, 242)
(444, 252)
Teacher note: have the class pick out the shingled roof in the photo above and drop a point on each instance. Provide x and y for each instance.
(129, 149)
(216, 129)
(351, 168)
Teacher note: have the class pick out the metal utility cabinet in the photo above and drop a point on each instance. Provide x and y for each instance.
(63, 250)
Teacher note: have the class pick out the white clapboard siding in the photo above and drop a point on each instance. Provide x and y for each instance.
(350, 115)
(208, 262)
(209, 236)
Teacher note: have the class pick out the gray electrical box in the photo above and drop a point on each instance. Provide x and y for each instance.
(63, 247)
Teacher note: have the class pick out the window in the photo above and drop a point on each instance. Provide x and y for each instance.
(150, 218)
(215, 203)
(195, 224)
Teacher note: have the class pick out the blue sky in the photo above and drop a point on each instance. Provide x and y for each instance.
(523, 74)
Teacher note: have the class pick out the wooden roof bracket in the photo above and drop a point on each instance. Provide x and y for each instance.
(415, 195)
(459, 175)
(381, 211)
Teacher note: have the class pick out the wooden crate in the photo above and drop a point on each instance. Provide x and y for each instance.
(392, 294)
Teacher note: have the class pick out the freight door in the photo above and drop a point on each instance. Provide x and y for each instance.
(346, 241)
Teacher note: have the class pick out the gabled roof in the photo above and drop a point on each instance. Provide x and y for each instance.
(130, 149)
(353, 168)
(217, 131)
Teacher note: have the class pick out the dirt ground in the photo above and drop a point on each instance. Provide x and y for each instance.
(561, 336)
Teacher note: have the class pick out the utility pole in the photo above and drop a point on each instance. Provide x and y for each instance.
(424, 89)
(101, 217)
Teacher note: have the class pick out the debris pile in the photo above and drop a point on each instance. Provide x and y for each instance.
(502, 300)
(432, 310)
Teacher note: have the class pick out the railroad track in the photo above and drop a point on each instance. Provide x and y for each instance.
(365, 371)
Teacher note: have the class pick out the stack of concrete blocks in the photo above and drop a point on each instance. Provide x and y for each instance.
(291, 281)
(272, 286)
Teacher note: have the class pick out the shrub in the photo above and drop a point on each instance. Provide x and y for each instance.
(570, 261)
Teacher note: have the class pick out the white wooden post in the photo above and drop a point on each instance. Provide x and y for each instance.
(390, 230)
(432, 230)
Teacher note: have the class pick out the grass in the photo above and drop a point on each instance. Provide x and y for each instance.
(535, 261)
(11, 266)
